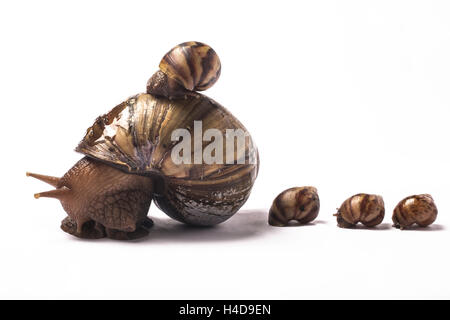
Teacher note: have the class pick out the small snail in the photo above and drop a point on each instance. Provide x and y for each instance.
(365, 208)
(301, 204)
(130, 157)
(419, 209)
(190, 66)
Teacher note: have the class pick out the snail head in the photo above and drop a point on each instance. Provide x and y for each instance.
(91, 187)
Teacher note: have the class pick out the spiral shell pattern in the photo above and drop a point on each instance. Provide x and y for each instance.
(136, 137)
(194, 65)
(419, 209)
(301, 204)
(365, 208)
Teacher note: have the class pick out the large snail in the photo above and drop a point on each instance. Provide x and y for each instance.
(134, 154)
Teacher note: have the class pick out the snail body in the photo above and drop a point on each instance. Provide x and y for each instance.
(365, 208)
(301, 204)
(133, 157)
(417, 209)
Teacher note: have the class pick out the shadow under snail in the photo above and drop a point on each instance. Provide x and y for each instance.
(128, 157)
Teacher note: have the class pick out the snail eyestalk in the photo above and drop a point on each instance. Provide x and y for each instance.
(102, 201)
(57, 193)
(53, 181)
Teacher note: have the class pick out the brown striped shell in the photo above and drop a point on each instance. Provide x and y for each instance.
(365, 208)
(419, 209)
(190, 66)
(300, 204)
(135, 137)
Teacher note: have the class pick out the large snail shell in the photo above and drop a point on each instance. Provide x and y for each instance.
(194, 65)
(135, 136)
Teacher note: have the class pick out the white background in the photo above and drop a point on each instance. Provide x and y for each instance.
(348, 96)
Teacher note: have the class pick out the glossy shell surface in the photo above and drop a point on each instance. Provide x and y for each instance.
(419, 209)
(194, 65)
(365, 208)
(136, 136)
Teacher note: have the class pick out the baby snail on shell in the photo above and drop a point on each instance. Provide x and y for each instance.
(365, 208)
(299, 204)
(131, 157)
(190, 66)
(419, 209)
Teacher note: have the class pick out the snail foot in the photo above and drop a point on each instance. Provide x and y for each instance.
(142, 230)
(342, 223)
(89, 230)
